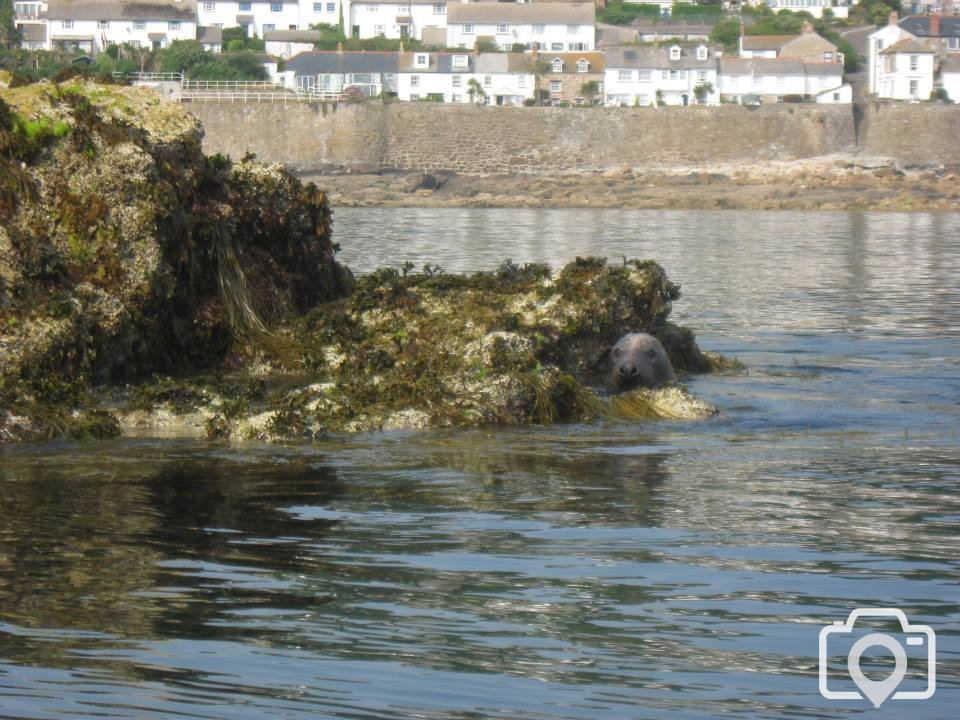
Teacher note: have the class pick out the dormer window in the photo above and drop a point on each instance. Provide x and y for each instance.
(675, 52)
(459, 61)
(702, 53)
(422, 60)
(557, 65)
(583, 66)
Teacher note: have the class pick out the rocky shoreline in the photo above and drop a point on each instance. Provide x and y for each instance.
(850, 183)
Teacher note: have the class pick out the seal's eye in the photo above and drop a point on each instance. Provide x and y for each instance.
(651, 353)
(617, 351)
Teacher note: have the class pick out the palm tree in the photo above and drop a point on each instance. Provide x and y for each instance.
(475, 90)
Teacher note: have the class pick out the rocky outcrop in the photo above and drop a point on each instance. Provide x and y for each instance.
(125, 251)
(126, 255)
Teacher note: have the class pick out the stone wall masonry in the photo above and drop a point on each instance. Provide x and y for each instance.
(489, 140)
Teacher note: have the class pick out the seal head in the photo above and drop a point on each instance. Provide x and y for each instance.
(639, 360)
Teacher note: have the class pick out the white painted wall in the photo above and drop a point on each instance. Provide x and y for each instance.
(375, 19)
(951, 83)
(905, 76)
(762, 84)
(299, 16)
(118, 32)
(551, 37)
(882, 38)
(631, 86)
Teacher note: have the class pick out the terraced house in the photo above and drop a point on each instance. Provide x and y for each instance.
(90, 26)
(418, 19)
(556, 27)
(661, 75)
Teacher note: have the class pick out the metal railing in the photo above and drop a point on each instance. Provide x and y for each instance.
(228, 85)
(149, 77)
(267, 96)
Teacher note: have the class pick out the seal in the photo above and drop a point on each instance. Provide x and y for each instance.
(639, 360)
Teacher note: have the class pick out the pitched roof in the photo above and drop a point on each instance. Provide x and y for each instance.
(657, 57)
(581, 13)
(184, 10)
(909, 45)
(766, 42)
(335, 63)
(210, 35)
(763, 66)
(570, 60)
(503, 63)
(919, 25)
(303, 36)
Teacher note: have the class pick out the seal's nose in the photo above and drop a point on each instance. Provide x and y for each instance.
(628, 371)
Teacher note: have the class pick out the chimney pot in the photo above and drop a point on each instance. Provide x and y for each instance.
(935, 25)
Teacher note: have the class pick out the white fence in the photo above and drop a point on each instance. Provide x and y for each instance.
(244, 91)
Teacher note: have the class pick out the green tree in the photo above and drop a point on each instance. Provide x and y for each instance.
(181, 56)
(9, 37)
(539, 68)
(475, 90)
(590, 90)
(726, 33)
(701, 91)
(618, 12)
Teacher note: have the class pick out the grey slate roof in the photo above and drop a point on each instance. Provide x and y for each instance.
(333, 63)
(654, 57)
(33, 32)
(542, 13)
(778, 66)
(302, 36)
(919, 25)
(185, 10)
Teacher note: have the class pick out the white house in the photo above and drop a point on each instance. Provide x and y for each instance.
(260, 16)
(775, 79)
(441, 77)
(877, 42)
(396, 19)
(371, 73)
(506, 78)
(950, 76)
(905, 70)
(668, 75)
(287, 43)
(555, 26)
(91, 25)
(30, 19)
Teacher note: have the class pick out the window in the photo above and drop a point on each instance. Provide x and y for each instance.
(414, 81)
(439, 9)
(331, 7)
(422, 60)
(467, 29)
(521, 81)
(269, 26)
(276, 7)
(456, 98)
(624, 75)
(378, 30)
(836, 97)
(244, 7)
(318, 7)
(459, 61)
(557, 65)
(461, 46)
(557, 47)
(675, 52)
(583, 66)
(414, 97)
(828, 56)
(879, 44)
(914, 88)
(101, 24)
(556, 86)
(139, 25)
(644, 75)
(701, 53)
(577, 47)
(374, 8)
(573, 29)
(457, 81)
(757, 80)
(133, 43)
(502, 29)
(701, 76)
(173, 26)
(538, 29)
(914, 63)
(953, 43)
(209, 6)
(487, 81)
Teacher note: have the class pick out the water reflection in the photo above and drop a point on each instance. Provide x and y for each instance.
(603, 570)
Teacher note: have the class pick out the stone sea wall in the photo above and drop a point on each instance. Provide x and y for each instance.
(483, 140)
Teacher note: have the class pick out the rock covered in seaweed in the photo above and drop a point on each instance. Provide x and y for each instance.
(125, 251)
(514, 346)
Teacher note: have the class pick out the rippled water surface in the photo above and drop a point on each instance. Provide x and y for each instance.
(596, 571)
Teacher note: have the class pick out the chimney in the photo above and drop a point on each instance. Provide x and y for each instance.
(741, 36)
(894, 18)
(807, 27)
(476, 46)
(535, 51)
(935, 25)
(339, 48)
